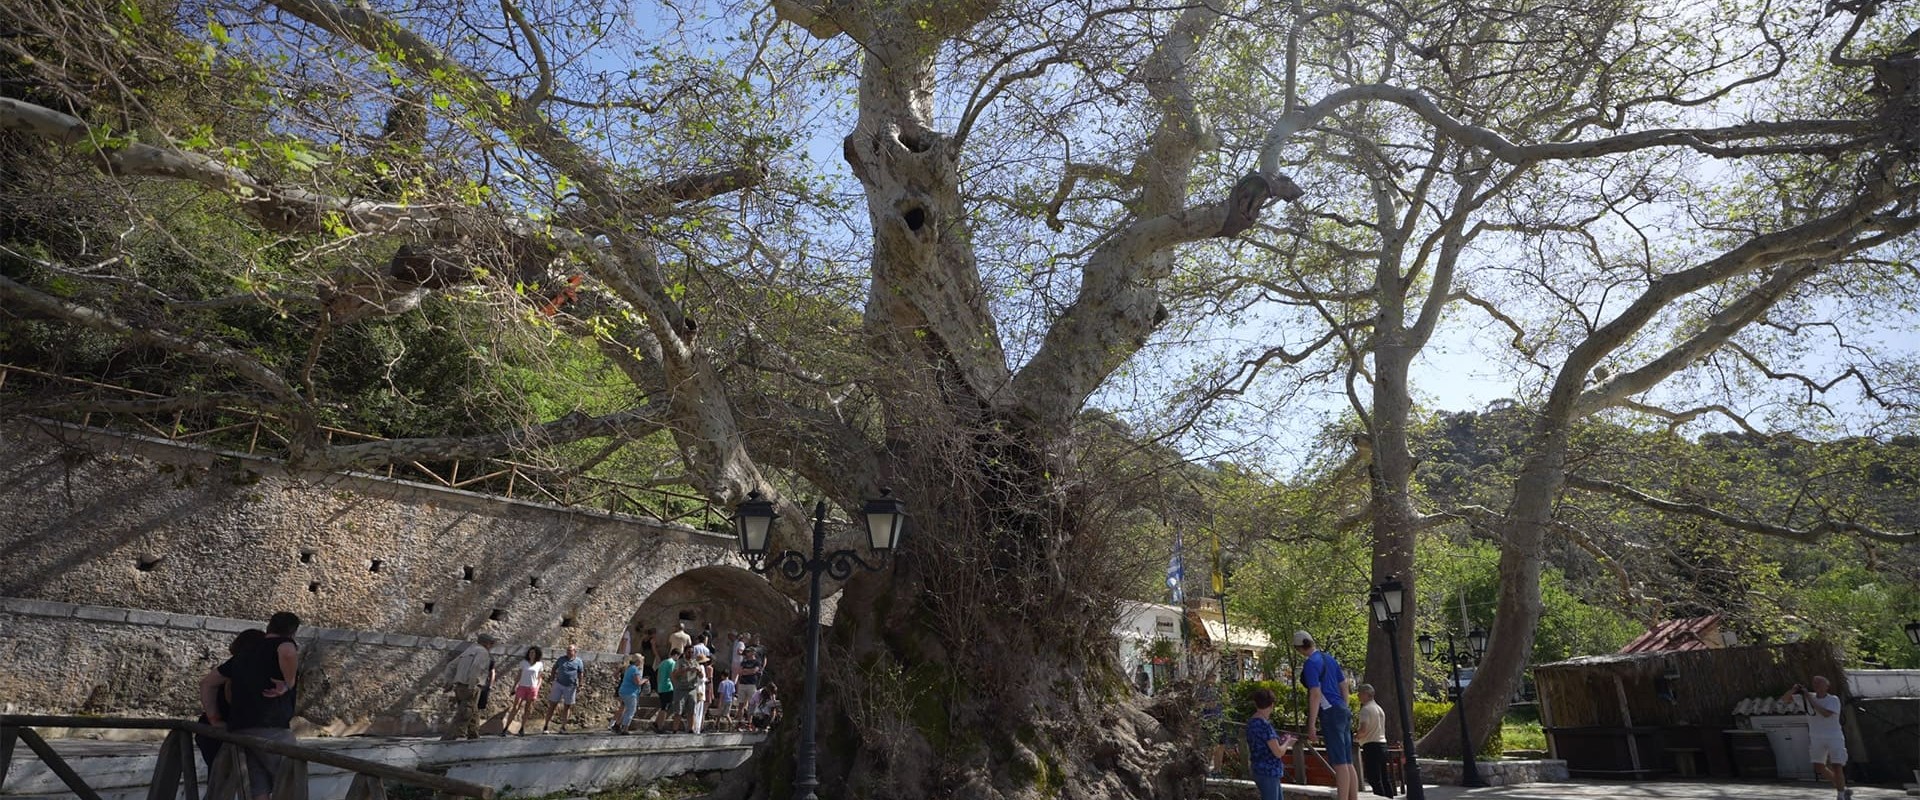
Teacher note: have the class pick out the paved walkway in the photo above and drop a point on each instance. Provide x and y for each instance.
(1656, 790)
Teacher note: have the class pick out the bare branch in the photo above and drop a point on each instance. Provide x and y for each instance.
(1676, 419)
(1813, 533)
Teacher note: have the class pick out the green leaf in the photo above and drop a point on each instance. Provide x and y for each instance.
(218, 32)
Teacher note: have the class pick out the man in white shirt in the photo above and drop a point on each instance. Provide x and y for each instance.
(470, 671)
(1826, 742)
(1370, 732)
(680, 640)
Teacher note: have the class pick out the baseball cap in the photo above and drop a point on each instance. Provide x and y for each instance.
(1302, 638)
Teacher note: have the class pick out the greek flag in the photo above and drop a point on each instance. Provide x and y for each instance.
(1176, 571)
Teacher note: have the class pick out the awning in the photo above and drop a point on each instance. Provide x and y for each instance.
(1235, 636)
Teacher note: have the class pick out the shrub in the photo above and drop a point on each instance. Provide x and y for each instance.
(1426, 715)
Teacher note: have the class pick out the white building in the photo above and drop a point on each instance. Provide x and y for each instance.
(1141, 626)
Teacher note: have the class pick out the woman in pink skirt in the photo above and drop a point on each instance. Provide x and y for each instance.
(526, 691)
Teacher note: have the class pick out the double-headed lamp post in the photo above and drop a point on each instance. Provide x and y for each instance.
(1913, 636)
(1388, 601)
(886, 519)
(1477, 643)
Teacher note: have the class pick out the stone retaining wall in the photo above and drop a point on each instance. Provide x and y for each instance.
(132, 561)
(128, 662)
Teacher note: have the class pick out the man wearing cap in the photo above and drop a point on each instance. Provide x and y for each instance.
(1327, 713)
(1370, 732)
(470, 671)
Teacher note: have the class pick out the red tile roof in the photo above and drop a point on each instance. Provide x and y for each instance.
(1676, 634)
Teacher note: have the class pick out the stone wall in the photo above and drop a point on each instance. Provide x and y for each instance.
(162, 531)
(128, 662)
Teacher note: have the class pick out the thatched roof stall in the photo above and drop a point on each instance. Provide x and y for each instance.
(1645, 713)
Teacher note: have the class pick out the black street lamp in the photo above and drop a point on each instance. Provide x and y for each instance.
(1388, 601)
(1477, 643)
(886, 519)
(1913, 635)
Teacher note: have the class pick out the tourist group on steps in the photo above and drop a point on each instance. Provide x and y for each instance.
(698, 687)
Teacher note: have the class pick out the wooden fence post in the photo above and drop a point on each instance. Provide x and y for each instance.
(58, 765)
(7, 737)
(227, 777)
(165, 784)
(290, 783)
(189, 771)
(367, 787)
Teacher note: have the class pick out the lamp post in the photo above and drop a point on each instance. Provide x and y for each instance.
(1477, 643)
(1388, 601)
(1913, 636)
(753, 521)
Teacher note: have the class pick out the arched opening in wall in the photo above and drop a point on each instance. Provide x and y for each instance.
(727, 598)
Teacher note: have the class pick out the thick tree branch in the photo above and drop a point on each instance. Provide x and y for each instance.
(1813, 533)
(1718, 329)
(20, 296)
(283, 209)
(1710, 141)
(1118, 306)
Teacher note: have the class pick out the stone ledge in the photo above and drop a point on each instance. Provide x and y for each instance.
(1497, 773)
(193, 622)
(36, 608)
(100, 613)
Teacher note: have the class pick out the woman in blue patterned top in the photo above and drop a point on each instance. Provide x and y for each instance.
(1266, 748)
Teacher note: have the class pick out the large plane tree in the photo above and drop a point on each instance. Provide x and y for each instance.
(235, 189)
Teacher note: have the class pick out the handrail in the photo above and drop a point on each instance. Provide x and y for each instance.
(493, 476)
(22, 725)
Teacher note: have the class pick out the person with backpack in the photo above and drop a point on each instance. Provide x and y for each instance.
(468, 677)
(1327, 713)
(259, 682)
(663, 685)
(698, 685)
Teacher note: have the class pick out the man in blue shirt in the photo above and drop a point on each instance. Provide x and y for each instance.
(1327, 713)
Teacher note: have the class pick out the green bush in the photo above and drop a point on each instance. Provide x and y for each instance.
(1240, 698)
(1426, 715)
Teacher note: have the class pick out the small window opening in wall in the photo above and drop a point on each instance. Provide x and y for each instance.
(533, 581)
(426, 607)
(687, 615)
(498, 615)
(569, 622)
(375, 565)
(306, 556)
(313, 587)
(466, 573)
(590, 589)
(147, 563)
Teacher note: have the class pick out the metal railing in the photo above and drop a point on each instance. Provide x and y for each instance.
(176, 773)
(258, 433)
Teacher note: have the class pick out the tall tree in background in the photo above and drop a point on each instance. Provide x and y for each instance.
(1622, 192)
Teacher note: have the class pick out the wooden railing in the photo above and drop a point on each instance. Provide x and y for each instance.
(253, 432)
(176, 773)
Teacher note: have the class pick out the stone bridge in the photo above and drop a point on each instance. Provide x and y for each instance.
(126, 564)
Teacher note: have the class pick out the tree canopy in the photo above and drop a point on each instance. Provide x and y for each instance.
(1107, 251)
